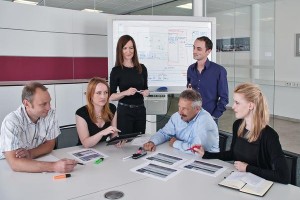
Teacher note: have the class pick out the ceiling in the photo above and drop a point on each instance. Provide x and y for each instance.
(145, 7)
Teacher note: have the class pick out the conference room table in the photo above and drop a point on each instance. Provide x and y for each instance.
(91, 181)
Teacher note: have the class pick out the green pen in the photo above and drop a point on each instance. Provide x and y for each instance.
(98, 161)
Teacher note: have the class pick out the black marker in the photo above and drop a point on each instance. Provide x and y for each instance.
(79, 163)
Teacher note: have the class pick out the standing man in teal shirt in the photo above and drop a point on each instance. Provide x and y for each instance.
(208, 78)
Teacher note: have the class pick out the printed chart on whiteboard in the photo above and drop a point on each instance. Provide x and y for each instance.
(165, 47)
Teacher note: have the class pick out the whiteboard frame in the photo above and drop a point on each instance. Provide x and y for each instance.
(112, 18)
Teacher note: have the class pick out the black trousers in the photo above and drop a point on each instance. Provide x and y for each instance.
(131, 120)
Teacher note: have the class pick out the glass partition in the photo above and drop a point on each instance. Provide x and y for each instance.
(255, 44)
(252, 49)
(245, 47)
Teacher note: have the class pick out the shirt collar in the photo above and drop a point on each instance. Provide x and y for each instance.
(195, 118)
(23, 110)
(206, 65)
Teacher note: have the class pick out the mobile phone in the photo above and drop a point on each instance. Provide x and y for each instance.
(138, 155)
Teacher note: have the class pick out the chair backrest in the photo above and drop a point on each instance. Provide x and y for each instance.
(68, 137)
(292, 159)
(223, 137)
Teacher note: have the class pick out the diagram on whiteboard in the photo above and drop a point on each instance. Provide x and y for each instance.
(164, 47)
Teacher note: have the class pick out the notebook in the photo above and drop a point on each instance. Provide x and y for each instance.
(247, 182)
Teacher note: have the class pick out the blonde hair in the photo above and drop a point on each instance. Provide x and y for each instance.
(252, 93)
(106, 114)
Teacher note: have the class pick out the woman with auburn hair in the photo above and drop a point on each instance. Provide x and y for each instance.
(255, 145)
(98, 119)
(132, 79)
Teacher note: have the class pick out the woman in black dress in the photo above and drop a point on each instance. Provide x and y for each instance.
(132, 79)
(98, 119)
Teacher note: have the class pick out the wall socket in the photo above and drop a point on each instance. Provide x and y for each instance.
(292, 84)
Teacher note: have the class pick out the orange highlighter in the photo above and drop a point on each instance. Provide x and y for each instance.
(61, 176)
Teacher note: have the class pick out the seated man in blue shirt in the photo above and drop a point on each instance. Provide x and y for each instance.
(189, 126)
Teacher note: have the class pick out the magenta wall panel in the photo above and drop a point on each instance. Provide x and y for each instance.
(20, 68)
(89, 67)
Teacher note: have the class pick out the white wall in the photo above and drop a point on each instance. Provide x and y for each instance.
(287, 66)
(65, 98)
(44, 31)
(10, 98)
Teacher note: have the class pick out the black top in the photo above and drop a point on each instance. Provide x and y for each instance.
(270, 159)
(124, 78)
(92, 127)
(246, 151)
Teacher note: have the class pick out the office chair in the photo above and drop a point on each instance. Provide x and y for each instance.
(223, 137)
(292, 159)
(67, 138)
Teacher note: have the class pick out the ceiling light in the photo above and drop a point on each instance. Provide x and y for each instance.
(186, 6)
(236, 13)
(266, 19)
(26, 2)
(92, 10)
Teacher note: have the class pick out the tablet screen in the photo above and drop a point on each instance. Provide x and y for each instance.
(129, 137)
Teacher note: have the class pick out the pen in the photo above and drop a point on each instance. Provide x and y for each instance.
(61, 176)
(127, 157)
(98, 161)
(79, 163)
(193, 148)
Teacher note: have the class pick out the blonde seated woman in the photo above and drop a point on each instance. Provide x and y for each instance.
(98, 119)
(255, 145)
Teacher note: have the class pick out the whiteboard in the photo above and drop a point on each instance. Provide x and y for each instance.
(164, 45)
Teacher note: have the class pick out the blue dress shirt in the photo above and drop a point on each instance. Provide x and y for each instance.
(212, 84)
(202, 130)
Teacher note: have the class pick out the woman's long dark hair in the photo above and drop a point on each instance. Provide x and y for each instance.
(119, 52)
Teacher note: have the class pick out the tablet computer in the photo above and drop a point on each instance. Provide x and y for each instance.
(129, 137)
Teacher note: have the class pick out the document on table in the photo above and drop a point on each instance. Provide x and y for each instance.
(87, 155)
(165, 159)
(156, 171)
(252, 179)
(202, 167)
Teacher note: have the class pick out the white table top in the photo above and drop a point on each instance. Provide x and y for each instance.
(92, 181)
